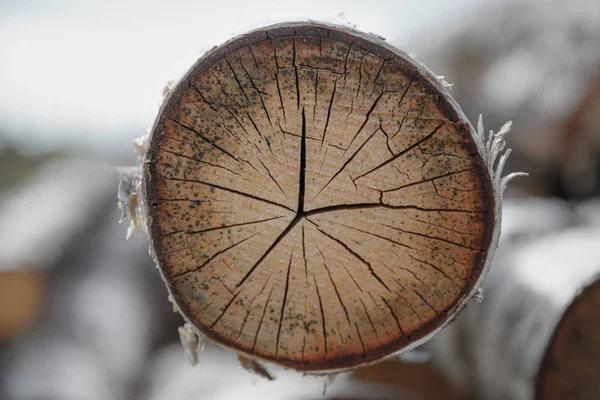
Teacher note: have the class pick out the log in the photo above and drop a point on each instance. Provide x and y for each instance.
(315, 198)
(555, 101)
(58, 202)
(420, 380)
(571, 363)
(21, 299)
(100, 317)
(535, 335)
(40, 222)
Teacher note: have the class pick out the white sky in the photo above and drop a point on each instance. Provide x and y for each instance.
(88, 74)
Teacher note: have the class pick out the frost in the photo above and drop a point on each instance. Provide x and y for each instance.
(131, 201)
(443, 81)
(168, 87)
(172, 300)
(478, 295)
(130, 192)
(494, 146)
(139, 147)
(329, 379)
(380, 37)
(254, 367)
(416, 356)
(201, 343)
(192, 342)
(342, 20)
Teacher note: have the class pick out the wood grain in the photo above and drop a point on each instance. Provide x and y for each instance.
(314, 199)
(571, 365)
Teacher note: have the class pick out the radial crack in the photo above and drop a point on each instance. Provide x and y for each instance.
(433, 238)
(227, 190)
(285, 295)
(299, 214)
(395, 316)
(356, 255)
(262, 318)
(215, 255)
(409, 148)
(322, 315)
(344, 165)
(232, 225)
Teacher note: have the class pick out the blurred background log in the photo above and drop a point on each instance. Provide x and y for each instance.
(538, 64)
(59, 201)
(67, 271)
(39, 222)
(21, 293)
(533, 334)
(420, 380)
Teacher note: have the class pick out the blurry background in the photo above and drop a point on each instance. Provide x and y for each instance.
(83, 313)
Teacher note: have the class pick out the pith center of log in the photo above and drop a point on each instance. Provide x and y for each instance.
(315, 200)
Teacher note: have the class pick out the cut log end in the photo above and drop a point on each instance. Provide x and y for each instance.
(571, 365)
(315, 199)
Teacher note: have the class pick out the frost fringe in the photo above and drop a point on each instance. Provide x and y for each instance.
(192, 342)
(493, 147)
(130, 193)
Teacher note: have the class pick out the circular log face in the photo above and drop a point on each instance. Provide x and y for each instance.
(571, 365)
(314, 199)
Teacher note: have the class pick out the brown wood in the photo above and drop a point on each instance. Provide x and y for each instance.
(421, 381)
(571, 366)
(315, 198)
(21, 300)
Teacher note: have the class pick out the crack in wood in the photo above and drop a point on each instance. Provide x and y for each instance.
(441, 271)
(401, 297)
(273, 178)
(285, 296)
(400, 154)
(198, 268)
(249, 309)
(355, 254)
(370, 320)
(371, 234)
(394, 315)
(225, 310)
(322, 315)
(329, 112)
(262, 318)
(202, 162)
(367, 118)
(296, 73)
(426, 302)
(333, 283)
(348, 161)
(232, 226)
(299, 214)
(408, 232)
